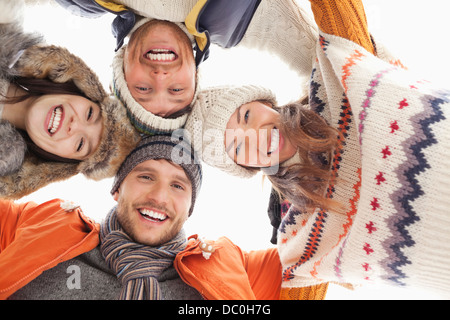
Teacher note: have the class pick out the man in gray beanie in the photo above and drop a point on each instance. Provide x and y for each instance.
(177, 151)
(155, 188)
(140, 250)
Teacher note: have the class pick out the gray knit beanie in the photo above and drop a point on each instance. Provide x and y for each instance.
(171, 148)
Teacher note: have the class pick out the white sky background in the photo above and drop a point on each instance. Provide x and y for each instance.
(228, 206)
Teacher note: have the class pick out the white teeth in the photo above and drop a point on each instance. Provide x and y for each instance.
(274, 141)
(153, 214)
(161, 55)
(53, 124)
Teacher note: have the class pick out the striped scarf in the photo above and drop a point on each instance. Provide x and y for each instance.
(136, 265)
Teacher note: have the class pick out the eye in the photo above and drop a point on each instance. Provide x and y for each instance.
(178, 186)
(80, 145)
(246, 116)
(145, 177)
(176, 90)
(143, 89)
(238, 148)
(90, 113)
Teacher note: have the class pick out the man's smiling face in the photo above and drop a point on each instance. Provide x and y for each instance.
(154, 202)
(160, 69)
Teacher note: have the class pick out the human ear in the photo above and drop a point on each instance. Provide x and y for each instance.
(116, 195)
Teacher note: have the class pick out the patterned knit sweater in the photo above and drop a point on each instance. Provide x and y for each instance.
(392, 173)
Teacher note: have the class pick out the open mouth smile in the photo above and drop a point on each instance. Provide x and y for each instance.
(161, 55)
(274, 141)
(55, 121)
(153, 216)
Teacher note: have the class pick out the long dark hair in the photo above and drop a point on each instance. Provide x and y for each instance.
(35, 88)
(304, 184)
(38, 87)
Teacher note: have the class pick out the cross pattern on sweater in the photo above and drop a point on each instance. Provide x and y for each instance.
(380, 178)
(370, 227)
(386, 152)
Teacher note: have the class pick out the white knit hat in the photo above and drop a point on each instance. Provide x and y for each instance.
(144, 121)
(206, 125)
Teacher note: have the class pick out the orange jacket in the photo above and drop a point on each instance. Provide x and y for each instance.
(35, 238)
(230, 273)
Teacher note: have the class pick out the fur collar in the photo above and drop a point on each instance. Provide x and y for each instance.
(57, 64)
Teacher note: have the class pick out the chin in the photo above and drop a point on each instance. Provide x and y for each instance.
(154, 240)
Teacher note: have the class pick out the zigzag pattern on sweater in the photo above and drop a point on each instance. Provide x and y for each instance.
(394, 174)
(343, 127)
(370, 93)
(351, 61)
(311, 246)
(411, 190)
(290, 219)
(315, 103)
(347, 226)
(323, 43)
(315, 234)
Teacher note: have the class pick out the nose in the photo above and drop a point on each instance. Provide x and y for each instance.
(159, 72)
(248, 139)
(73, 126)
(158, 193)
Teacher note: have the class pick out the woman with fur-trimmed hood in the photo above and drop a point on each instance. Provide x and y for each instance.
(56, 120)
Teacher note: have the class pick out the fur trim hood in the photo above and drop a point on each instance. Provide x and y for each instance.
(12, 148)
(29, 57)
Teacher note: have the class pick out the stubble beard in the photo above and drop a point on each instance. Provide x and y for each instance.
(124, 214)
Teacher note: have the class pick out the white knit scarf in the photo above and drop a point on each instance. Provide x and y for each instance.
(136, 265)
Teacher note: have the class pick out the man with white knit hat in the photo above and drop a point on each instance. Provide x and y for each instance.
(145, 82)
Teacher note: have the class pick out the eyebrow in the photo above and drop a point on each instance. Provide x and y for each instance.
(143, 168)
(239, 115)
(183, 179)
(143, 100)
(148, 100)
(87, 148)
(176, 99)
(238, 121)
(99, 115)
(88, 141)
(231, 145)
(150, 169)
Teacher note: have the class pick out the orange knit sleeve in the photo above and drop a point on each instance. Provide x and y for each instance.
(346, 19)
(317, 292)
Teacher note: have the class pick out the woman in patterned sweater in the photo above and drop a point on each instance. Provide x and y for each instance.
(383, 218)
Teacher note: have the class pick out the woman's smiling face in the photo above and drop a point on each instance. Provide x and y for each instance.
(68, 126)
(254, 137)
